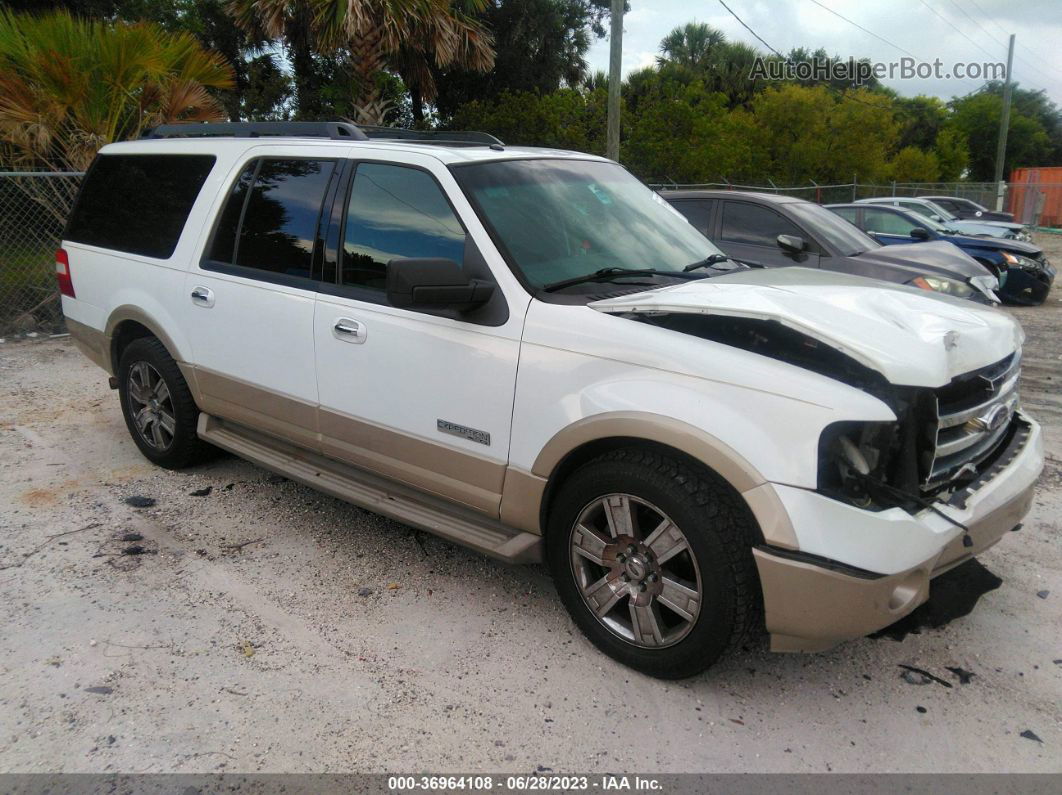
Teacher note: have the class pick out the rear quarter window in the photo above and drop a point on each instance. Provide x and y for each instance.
(137, 204)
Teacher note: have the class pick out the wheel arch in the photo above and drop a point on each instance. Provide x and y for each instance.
(127, 323)
(593, 436)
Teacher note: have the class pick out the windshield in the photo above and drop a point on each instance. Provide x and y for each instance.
(937, 226)
(936, 208)
(561, 219)
(842, 235)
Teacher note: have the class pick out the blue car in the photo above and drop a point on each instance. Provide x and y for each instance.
(1025, 275)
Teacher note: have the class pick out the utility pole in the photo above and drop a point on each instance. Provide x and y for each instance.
(615, 55)
(1004, 123)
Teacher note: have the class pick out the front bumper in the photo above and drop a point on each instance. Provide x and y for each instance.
(857, 571)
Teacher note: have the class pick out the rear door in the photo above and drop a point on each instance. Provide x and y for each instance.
(750, 231)
(424, 398)
(699, 212)
(248, 303)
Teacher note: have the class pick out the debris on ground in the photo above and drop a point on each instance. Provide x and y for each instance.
(365, 591)
(239, 547)
(247, 648)
(921, 709)
(136, 549)
(139, 501)
(393, 586)
(203, 492)
(131, 537)
(961, 674)
(100, 690)
(1029, 734)
(919, 676)
(1043, 594)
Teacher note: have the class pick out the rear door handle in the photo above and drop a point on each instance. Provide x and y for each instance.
(203, 296)
(349, 330)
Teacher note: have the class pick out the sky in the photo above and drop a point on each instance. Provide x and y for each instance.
(959, 31)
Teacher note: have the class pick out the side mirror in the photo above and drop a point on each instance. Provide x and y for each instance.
(434, 284)
(791, 244)
(920, 233)
(936, 217)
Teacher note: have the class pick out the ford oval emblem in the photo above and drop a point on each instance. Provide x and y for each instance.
(993, 419)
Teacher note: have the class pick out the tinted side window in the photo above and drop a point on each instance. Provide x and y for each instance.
(224, 246)
(749, 223)
(697, 212)
(396, 212)
(886, 223)
(138, 203)
(847, 213)
(280, 221)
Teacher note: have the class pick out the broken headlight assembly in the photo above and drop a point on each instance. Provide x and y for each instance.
(878, 465)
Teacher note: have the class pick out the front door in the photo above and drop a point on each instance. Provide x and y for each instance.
(426, 399)
(248, 305)
(750, 232)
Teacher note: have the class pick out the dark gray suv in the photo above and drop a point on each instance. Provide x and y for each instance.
(774, 230)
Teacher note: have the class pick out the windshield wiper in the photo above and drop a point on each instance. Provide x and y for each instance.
(606, 274)
(707, 262)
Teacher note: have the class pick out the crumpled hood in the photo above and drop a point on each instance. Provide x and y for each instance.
(934, 256)
(912, 337)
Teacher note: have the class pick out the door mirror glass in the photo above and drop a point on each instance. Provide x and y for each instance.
(919, 233)
(431, 283)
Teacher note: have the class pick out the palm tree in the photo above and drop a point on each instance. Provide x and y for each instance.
(691, 45)
(405, 36)
(68, 85)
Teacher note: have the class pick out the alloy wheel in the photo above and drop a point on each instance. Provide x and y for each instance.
(151, 406)
(635, 571)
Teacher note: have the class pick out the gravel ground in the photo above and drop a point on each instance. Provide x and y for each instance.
(266, 627)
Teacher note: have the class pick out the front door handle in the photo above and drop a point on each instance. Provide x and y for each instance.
(203, 296)
(349, 330)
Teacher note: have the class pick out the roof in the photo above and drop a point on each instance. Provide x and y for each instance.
(765, 198)
(449, 155)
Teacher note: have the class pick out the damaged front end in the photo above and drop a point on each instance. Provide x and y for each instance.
(943, 443)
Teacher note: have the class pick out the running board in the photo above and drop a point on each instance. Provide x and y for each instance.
(405, 504)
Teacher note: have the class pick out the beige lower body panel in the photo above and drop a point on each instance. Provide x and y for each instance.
(444, 518)
(95, 344)
(809, 607)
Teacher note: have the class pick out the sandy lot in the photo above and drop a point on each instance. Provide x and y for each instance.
(269, 628)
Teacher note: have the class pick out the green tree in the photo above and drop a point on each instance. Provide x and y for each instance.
(374, 34)
(540, 46)
(921, 119)
(977, 117)
(68, 86)
(912, 164)
(953, 153)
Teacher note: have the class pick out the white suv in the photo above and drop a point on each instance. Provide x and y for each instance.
(528, 352)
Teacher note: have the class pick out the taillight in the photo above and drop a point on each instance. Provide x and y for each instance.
(62, 273)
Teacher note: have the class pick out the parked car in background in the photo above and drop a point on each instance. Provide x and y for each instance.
(1025, 275)
(937, 213)
(967, 209)
(772, 230)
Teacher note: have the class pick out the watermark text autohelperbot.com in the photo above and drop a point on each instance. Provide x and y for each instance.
(861, 72)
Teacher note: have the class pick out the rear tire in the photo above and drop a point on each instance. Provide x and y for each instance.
(157, 405)
(676, 586)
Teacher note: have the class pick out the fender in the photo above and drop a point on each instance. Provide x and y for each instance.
(523, 492)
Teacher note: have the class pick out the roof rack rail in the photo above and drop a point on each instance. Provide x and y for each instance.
(431, 136)
(335, 130)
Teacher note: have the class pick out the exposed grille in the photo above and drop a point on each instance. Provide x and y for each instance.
(974, 413)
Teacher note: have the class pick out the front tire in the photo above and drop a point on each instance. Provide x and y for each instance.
(652, 558)
(157, 405)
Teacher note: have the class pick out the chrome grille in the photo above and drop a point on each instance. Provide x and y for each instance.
(974, 413)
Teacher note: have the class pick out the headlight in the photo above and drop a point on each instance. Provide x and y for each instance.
(941, 285)
(1021, 261)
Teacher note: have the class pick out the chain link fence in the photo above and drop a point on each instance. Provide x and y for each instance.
(33, 209)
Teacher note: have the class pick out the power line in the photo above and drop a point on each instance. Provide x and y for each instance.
(869, 32)
(784, 58)
(1036, 68)
(750, 30)
(1005, 33)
